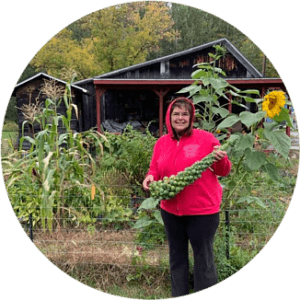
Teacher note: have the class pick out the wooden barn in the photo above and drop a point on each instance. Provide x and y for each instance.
(141, 93)
(31, 95)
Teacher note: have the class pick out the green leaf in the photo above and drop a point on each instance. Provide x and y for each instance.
(249, 99)
(246, 141)
(199, 98)
(149, 203)
(239, 104)
(269, 126)
(203, 65)
(158, 217)
(254, 159)
(284, 116)
(228, 122)
(280, 141)
(234, 88)
(192, 89)
(251, 199)
(208, 125)
(254, 92)
(234, 93)
(223, 112)
(142, 222)
(218, 83)
(198, 74)
(249, 118)
(272, 171)
(220, 71)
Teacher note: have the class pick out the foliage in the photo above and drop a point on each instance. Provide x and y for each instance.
(127, 34)
(208, 92)
(254, 54)
(111, 39)
(129, 152)
(123, 35)
(11, 112)
(151, 236)
(196, 27)
(62, 53)
(56, 162)
(10, 126)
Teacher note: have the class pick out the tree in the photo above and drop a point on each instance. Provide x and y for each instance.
(63, 53)
(107, 40)
(196, 27)
(256, 56)
(124, 35)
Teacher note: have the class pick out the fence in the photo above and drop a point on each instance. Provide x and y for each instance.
(100, 232)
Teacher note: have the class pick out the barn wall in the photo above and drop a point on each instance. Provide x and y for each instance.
(89, 118)
(183, 66)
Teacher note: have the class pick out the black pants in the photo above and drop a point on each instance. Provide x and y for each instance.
(200, 230)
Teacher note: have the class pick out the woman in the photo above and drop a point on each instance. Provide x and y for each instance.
(193, 214)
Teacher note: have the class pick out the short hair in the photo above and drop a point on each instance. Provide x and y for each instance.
(183, 102)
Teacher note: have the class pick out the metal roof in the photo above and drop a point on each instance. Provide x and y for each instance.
(230, 47)
(41, 74)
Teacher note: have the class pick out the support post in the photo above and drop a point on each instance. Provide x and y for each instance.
(230, 111)
(99, 93)
(227, 225)
(288, 128)
(161, 93)
(30, 227)
(229, 103)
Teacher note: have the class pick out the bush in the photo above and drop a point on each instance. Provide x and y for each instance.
(129, 153)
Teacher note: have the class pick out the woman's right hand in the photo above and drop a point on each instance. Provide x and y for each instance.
(147, 182)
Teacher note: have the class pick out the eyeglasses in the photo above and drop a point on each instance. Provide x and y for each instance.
(177, 114)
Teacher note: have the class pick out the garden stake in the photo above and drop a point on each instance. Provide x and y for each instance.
(30, 227)
(227, 223)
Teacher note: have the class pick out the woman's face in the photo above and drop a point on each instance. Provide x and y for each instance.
(180, 119)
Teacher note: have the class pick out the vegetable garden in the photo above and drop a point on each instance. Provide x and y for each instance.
(79, 196)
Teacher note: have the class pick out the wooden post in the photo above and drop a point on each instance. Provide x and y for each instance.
(161, 93)
(230, 111)
(229, 103)
(99, 93)
(288, 128)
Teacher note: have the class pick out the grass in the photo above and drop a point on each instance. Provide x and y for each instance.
(9, 134)
(134, 291)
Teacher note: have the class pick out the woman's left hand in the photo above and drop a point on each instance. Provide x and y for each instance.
(219, 154)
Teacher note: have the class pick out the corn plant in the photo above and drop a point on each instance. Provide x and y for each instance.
(56, 162)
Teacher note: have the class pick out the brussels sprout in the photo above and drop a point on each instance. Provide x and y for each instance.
(169, 187)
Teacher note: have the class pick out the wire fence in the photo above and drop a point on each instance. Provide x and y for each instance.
(100, 231)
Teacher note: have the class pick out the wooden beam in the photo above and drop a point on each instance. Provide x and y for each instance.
(161, 93)
(99, 93)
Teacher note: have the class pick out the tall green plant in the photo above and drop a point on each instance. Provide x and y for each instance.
(56, 162)
(208, 91)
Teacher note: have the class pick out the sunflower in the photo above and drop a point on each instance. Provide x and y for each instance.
(273, 103)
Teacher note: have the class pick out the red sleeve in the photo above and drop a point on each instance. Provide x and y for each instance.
(153, 169)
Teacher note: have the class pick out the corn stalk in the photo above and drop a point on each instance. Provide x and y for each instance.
(56, 161)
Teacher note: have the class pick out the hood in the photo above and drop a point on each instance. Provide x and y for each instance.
(168, 115)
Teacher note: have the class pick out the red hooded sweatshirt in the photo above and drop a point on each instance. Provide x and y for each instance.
(171, 156)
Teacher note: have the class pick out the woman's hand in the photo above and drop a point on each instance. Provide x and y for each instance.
(147, 182)
(218, 153)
